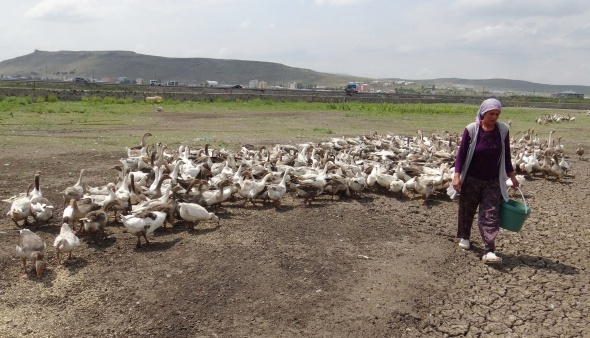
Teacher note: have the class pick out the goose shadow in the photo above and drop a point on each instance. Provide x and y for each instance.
(93, 241)
(157, 246)
(431, 203)
(49, 229)
(364, 199)
(315, 204)
(73, 265)
(203, 231)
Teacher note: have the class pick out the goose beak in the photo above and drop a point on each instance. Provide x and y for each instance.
(39, 267)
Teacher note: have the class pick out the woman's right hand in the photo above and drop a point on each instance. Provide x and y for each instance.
(457, 182)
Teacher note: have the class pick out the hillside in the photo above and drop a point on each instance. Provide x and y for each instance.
(100, 64)
(506, 85)
(194, 71)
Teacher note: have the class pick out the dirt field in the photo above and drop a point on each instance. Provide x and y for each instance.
(380, 265)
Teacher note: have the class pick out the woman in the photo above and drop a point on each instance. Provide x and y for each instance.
(481, 170)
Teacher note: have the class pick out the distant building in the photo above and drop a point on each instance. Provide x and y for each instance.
(365, 87)
(262, 85)
(293, 85)
(208, 83)
(139, 81)
(253, 84)
(569, 94)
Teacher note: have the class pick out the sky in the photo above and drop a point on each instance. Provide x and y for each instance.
(543, 41)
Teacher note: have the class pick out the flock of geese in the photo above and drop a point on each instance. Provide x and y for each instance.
(549, 118)
(156, 185)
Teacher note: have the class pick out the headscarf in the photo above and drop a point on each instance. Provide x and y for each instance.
(486, 106)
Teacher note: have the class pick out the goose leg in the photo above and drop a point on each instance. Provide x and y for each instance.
(138, 245)
(147, 242)
(25, 275)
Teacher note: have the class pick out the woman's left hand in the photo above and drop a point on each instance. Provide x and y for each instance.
(515, 183)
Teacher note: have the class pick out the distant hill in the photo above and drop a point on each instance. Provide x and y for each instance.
(504, 86)
(114, 64)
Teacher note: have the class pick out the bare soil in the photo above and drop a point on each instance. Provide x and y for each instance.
(379, 265)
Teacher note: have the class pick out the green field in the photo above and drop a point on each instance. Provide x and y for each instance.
(94, 122)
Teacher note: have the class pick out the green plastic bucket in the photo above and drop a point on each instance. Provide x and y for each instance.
(513, 214)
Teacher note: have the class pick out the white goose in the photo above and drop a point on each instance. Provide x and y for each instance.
(251, 188)
(72, 214)
(396, 185)
(66, 241)
(317, 180)
(36, 191)
(41, 208)
(372, 177)
(223, 192)
(143, 224)
(357, 184)
(559, 148)
(424, 188)
(276, 192)
(565, 166)
(20, 209)
(192, 214)
(31, 246)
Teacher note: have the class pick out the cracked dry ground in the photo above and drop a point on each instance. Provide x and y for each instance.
(376, 266)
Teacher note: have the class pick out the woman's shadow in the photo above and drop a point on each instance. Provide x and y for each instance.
(510, 262)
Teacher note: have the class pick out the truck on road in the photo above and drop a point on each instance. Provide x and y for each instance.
(351, 89)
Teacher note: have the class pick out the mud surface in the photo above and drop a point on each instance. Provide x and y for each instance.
(378, 265)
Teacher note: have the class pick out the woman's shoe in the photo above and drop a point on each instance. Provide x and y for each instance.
(464, 244)
(491, 258)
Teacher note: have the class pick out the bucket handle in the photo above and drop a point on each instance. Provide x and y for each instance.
(522, 195)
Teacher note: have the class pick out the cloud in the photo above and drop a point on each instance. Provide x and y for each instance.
(523, 8)
(65, 10)
(338, 2)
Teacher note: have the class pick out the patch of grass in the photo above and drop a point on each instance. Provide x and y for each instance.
(323, 131)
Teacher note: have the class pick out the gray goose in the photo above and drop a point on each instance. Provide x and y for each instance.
(75, 191)
(96, 220)
(143, 143)
(31, 246)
